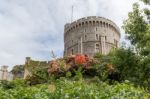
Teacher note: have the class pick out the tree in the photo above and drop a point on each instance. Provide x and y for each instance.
(126, 62)
(137, 29)
(18, 71)
(146, 1)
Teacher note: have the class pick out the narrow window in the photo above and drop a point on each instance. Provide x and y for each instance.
(101, 23)
(97, 48)
(82, 23)
(107, 25)
(96, 36)
(90, 22)
(105, 38)
(116, 43)
(72, 51)
(104, 24)
(85, 38)
(97, 22)
(93, 22)
(96, 29)
(86, 23)
(79, 24)
(76, 26)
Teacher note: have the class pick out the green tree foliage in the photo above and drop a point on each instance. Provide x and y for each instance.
(7, 84)
(12, 84)
(126, 62)
(100, 66)
(39, 75)
(146, 1)
(18, 71)
(38, 70)
(137, 29)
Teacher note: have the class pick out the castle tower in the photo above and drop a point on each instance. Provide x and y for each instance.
(4, 72)
(27, 60)
(26, 71)
(90, 35)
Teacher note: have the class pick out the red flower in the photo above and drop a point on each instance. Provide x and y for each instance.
(80, 59)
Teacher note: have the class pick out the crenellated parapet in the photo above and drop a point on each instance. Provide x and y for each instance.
(91, 21)
(5, 74)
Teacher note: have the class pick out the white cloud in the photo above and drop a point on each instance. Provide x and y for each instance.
(35, 27)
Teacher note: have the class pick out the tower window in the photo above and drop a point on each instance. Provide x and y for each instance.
(85, 37)
(96, 29)
(72, 51)
(79, 24)
(116, 43)
(105, 38)
(90, 22)
(107, 25)
(76, 26)
(97, 48)
(86, 23)
(96, 36)
(93, 22)
(97, 22)
(103, 24)
(82, 23)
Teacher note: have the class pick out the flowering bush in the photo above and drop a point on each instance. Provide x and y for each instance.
(54, 68)
(80, 59)
(69, 64)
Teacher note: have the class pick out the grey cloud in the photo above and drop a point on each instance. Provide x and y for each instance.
(35, 27)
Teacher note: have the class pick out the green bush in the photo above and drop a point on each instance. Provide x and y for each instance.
(7, 84)
(39, 75)
(66, 89)
(13, 84)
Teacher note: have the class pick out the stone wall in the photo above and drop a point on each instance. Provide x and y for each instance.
(90, 35)
(31, 65)
(4, 74)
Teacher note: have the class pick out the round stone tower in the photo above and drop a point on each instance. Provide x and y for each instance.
(90, 35)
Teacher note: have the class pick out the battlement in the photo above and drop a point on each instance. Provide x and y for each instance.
(4, 68)
(90, 21)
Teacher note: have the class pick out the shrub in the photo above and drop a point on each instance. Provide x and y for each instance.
(7, 84)
(80, 59)
(13, 84)
(66, 89)
(39, 75)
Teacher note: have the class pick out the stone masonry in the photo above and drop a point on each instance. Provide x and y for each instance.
(90, 35)
(4, 74)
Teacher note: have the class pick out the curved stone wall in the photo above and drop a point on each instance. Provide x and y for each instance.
(90, 35)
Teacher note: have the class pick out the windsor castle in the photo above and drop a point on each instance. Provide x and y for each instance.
(87, 36)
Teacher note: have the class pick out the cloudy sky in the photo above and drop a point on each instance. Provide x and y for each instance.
(35, 27)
